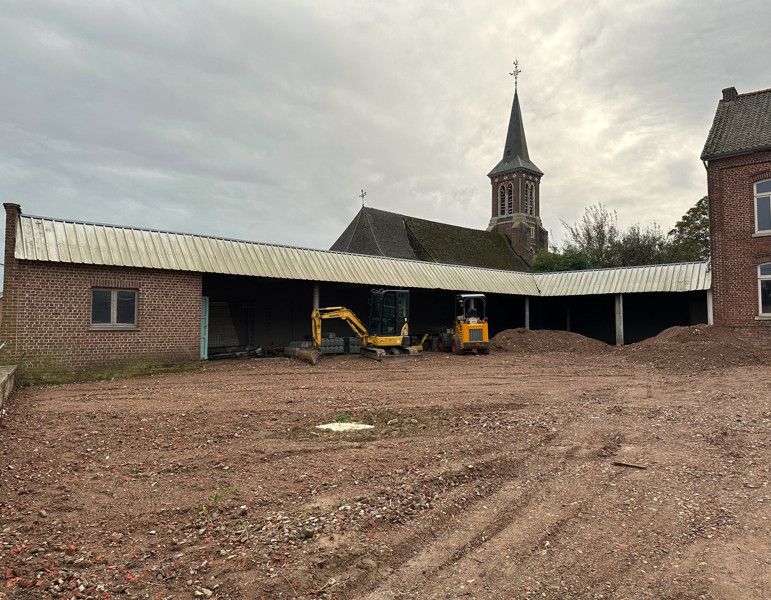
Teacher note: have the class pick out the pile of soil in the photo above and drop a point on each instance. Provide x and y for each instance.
(702, 347)
(530, 341)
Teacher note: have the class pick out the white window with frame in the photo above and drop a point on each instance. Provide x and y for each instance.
(510, 199)
(113, 308)
(764, 290)
(532, 232)
(763, 207)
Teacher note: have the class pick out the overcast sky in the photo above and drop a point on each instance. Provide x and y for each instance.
(262, 120)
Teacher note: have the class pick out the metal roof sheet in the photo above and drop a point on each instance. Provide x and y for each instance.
(677, 277)
(53, 240)
(44, 239)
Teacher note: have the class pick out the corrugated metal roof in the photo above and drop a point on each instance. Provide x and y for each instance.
(677, 277)
(45, 239)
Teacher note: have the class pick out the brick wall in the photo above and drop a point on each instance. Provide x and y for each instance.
(736, 254)
(47, 315)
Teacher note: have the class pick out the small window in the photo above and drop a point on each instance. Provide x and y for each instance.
(763, 206)
(113, 309)
(532, 232)
(510, 199)
(529, 198)
(764, 289)
(502, 200)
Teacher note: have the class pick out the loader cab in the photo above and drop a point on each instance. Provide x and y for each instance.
(470, 308)
(389, 312)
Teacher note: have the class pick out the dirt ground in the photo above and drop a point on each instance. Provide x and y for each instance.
(484, 477)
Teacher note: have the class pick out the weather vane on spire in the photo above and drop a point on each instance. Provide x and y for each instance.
(363, 193)
(515, 73)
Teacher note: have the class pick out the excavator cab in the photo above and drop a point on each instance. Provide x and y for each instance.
(389, 313)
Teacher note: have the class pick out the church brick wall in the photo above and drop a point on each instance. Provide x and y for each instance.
(735, 252)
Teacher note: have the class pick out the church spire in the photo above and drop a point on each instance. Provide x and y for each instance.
(515, 154)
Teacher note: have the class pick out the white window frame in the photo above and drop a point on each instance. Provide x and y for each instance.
(757, 196)
(510, 199)
(113, 325)
(761, 279)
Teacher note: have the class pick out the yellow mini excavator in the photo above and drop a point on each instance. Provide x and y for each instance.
(388, 333)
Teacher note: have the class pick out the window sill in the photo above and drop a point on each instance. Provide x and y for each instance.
(763, 318)
(762, 234)
(114, 328)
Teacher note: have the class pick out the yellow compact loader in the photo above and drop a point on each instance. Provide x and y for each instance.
(388, 333)
(469, 331)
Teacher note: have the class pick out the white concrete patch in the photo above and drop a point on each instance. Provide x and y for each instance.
(344, 426)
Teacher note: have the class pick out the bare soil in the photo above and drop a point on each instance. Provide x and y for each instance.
(484, 477)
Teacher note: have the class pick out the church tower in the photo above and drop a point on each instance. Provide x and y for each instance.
(516, 197)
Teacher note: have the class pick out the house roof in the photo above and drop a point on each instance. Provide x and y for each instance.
(383, 233)
(60, 241)
(742, 124)
(515, 155)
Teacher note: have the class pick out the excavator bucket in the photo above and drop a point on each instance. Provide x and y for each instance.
(309, 355)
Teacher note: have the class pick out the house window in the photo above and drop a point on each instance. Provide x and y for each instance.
(510, 199)
(502, 200)
(764, 289)
(763, 206)
(113, 309)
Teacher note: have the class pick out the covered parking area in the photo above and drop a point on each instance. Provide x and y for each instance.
(615, 306)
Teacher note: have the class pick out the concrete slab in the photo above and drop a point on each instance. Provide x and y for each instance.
(344, 426)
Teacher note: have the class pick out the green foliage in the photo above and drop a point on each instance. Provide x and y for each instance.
(569, 260)
(217, 499)
(596, 241)
(690, 236)
(342, 418)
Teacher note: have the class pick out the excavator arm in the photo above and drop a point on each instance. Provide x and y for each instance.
(336, 312)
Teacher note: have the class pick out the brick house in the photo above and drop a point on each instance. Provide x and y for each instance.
(737, 155)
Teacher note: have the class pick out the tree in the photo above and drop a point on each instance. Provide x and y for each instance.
(596, 236)
(569, 260)
(689, 240)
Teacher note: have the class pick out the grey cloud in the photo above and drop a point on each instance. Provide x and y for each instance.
(262, 120)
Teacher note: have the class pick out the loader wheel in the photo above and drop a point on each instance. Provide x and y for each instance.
(484, 351)
(455, 345)
(443, 343)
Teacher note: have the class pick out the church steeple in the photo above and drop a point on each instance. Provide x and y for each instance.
(515, 155)
(516, 196)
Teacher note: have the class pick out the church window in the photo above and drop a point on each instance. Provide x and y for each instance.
(502, 200)
(532, 232)
(529, 198)
(510, 199)
(763, 207)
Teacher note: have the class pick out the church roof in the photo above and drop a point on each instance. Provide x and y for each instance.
(383, 233)
(515, 154)
(742, 124)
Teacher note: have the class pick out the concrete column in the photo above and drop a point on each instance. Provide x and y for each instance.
(527, 312)
(316, 295)
(619, 319)
(710, 308)
(567, 314)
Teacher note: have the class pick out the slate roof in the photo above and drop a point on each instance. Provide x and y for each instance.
(515, 154)
(742, 124)
(383, 233)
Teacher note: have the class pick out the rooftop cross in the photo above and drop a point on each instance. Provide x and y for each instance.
(515, 73)
(363, 193)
